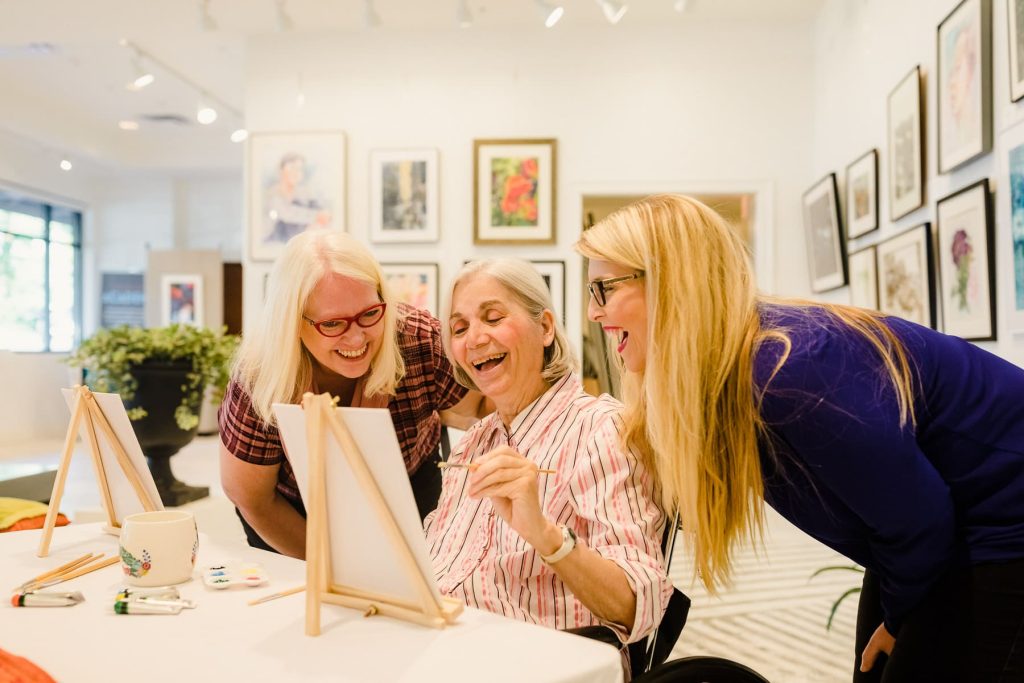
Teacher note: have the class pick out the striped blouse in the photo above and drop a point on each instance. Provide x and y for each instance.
(600, 490)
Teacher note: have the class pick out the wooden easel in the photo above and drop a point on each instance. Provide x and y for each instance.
(430, 609)
(86, 408)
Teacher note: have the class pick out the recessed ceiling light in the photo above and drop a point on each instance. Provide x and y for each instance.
(206, 115)
(239, 135)
(128, 125)
(65, 165)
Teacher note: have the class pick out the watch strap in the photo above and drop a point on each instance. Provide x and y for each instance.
(568, 544)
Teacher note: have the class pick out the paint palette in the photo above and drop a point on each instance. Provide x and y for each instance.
(229, 575)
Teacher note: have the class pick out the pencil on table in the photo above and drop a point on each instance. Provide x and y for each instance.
(473, 465)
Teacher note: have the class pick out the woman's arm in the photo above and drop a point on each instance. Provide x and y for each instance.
(467, 412)
(252, 488)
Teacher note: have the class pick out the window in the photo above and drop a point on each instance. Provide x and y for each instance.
(40, 275)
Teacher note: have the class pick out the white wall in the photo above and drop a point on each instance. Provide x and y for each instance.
(862, 50)
(657, 107)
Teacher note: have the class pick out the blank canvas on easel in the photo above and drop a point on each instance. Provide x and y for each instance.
(122, 495)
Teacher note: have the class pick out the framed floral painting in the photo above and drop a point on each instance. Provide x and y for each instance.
(906, 287)
(181, 300)
(514, 185)
(826, 250)
(964, 230)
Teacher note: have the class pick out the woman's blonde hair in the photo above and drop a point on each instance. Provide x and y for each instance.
(694, 410)
(272, 364)
(527, 288)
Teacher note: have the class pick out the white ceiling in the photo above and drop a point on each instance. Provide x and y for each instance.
(62, 71)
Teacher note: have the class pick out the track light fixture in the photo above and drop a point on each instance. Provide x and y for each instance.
(550, 12)
(613, 10)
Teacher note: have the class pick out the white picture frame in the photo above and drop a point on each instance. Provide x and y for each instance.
(295, 182)
(553, 273)
(404, 198)
(416, 284)
(864, 278)
(181, 299)
(1010, 212)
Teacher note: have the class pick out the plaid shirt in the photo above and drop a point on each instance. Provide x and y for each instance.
(428, 386)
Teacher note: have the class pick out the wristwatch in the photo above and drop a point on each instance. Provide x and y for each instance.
(568, 543)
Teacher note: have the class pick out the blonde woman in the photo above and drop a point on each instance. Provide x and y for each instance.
(897, 446)
(329, 324)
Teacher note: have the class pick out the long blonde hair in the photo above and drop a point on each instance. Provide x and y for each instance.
(272, 364)
(694, 411)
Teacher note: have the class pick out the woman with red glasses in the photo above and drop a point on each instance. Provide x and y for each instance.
(328, 324)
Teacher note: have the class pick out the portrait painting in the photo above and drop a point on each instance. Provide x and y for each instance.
(296, 182)
(403, 196)
(906, 148)
(414, 283)
(826, 251)
(862, 195)
(964, 84)
(966, 264)
(864, 279)
(514, 183)
(905, 285)
(181, 299)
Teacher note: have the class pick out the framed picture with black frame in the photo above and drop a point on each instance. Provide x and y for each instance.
(964, 76)
(862, 195)
(823, 228)
(906, 286)
(906, 145)
(966, 264)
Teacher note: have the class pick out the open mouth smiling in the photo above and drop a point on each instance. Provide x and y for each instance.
(354, 353)
(488, 362)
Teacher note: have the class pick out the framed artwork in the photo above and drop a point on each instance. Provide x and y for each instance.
(1015, 26)
(514, 185)
(964, 230)
(1012, 142)
(415, 284)
(906, 287)
(122, 299)
(906, 145)
(864, 279)
(403, 195)
(964, 73)
(862, 195)
(826, 250)
(296, 182)
(553, 273)
(181, 299)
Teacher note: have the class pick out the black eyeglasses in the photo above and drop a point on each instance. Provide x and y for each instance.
(335, 327)
(599, 288)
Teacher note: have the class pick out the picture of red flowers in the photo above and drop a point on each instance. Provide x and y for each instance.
(514, 191)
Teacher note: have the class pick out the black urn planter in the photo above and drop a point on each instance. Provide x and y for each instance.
(159, 392)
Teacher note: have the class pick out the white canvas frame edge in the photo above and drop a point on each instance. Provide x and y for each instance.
(1008, 140)
(867, 162)
(824, 283)
(989, 281)
(433, 271)
(260, 253)
(544, 232)
(196, 280)
(429, 155)
(912, 81)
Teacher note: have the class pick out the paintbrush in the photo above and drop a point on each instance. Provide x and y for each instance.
(473, 465)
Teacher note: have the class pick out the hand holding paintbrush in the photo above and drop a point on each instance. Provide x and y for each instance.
(444, 465)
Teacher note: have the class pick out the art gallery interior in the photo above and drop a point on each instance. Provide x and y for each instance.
(746, 104)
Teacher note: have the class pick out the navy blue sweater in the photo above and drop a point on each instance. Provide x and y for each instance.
(908, 503)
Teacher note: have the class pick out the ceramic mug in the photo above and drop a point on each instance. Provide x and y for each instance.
(158, 548)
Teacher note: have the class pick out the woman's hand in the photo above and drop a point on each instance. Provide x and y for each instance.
(881, 641)
(510, 481)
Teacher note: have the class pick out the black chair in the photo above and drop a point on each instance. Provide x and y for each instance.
(647, 657)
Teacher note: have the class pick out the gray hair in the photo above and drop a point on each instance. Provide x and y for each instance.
(527, 288)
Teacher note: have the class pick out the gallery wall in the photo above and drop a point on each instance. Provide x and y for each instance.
(634, 110)
(862, 50)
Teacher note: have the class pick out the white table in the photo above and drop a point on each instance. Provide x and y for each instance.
(224, 639)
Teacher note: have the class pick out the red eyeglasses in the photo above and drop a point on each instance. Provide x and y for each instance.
(335, 327)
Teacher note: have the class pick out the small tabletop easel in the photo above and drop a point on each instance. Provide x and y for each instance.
(88, 410)
(431, 609)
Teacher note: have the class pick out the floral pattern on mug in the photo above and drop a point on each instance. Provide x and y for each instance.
(133, 566)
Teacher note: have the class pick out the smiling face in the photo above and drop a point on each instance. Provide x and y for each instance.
(624, 315)
(494, 340)
(348, 355)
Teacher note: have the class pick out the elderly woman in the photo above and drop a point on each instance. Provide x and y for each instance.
(554, 521)
(329, 324)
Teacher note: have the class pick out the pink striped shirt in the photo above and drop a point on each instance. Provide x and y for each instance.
(600, 490)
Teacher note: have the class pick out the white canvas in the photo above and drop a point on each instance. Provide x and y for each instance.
(361, 555)
(122, 494)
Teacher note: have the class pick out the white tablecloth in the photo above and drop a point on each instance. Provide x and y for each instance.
(224, 639)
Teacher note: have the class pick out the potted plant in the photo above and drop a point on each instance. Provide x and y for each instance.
(847, 593)
(161, 374)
